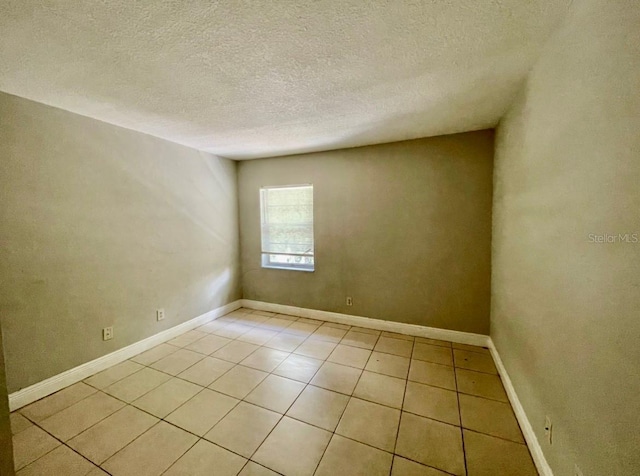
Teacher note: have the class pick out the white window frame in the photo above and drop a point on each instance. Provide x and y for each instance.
(266, 255)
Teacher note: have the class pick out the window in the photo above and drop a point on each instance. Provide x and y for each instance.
(286, 216)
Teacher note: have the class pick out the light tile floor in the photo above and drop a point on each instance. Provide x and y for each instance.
(255, 393)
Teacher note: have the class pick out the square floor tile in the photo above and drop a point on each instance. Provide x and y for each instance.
(351, 356)
(490, 417)
(52, 404)
(370, 423)
(389, 345)
(206, 459)
(480, 384)
(285, 342)
(301, 329)
(239, 381)
(249, 320)
(288, 317)
(336, 377)
(244, 428)
(474, 361)
(319, 407)
(397, 335)
(202, 412)
(97, 472)
(360, 339)
(489, 456)
(109, 436)
(329, 334)
(387, 364)
(336, 325)
(380, 388)
(18, 423)
(80, 416)
(344, 456)
(432, 374)
(262, 313)
(306, 320)
(471, 348)
(404, 467)
(317, 349)
(234, 330)
(433, 353)
(254, 469)
(431, 443)
(175, 363)
(135, 385)
(235, 351)
(61, 461)
(31, 444)
(113, 374)
(432, 402)
(365, 330)
(275, 393)
(152, 453)
(298, 367)
(186, 338)
(275, 324)
(208, 345)
(293, 448)
(206, 371)
(425, 340)
(154, 354)
(211, 327)
(258, 336)
(165, 398)
(265, 359)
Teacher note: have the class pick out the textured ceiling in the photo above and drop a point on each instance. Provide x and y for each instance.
(247, 79)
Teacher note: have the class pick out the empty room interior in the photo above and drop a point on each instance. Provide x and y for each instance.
(330, 237)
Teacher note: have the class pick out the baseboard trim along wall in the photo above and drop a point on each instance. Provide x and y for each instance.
(377, 324)
(51, 385)
(432, 333)
(527, 430)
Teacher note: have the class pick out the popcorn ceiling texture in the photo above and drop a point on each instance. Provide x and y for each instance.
(248, 79)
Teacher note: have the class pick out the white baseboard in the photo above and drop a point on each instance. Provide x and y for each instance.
(378, 324)
(51, 385)
(532, 441)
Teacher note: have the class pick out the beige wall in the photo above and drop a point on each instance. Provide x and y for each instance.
(565, 310)
(6, 444)
(403, 228)
(101, 226)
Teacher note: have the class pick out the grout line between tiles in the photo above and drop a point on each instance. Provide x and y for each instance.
(253, 326)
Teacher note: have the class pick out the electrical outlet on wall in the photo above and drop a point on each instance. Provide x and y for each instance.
(548, 429)
(349, 301)
(107, 333)
(160, 314)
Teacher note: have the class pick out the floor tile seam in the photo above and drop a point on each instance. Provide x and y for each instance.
(39, 400)
(464, 449)
(64, 443)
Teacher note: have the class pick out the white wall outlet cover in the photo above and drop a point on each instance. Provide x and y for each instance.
(349, 301)
(107, 333)
(160, 314)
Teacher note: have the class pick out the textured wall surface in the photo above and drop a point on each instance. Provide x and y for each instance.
(100, 227)
(267, 78)
(403, 228)
(565, 309)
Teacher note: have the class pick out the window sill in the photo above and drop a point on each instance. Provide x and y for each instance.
(289, 268)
